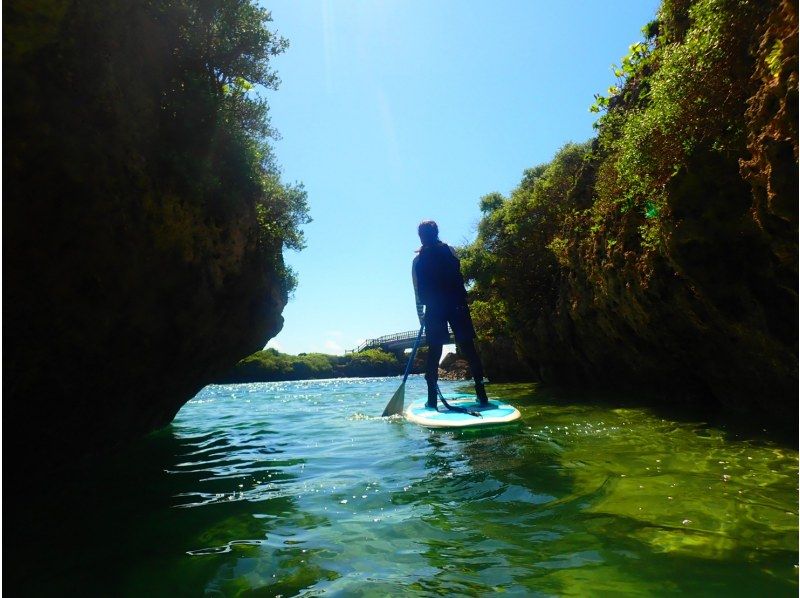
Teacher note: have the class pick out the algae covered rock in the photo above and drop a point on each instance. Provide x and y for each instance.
(661, 256)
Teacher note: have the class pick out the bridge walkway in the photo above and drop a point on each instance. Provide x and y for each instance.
(393, 343)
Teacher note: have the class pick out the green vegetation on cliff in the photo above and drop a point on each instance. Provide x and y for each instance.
(144, 219)
(663, 253)
(271, 365)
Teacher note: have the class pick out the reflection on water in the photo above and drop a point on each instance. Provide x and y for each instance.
(300, 488)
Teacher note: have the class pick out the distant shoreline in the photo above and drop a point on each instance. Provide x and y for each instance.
(271, 365)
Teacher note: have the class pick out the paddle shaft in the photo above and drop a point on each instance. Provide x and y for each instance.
(413, 353)
(395, 404)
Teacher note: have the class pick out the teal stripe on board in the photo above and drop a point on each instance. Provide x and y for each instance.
(498, 413)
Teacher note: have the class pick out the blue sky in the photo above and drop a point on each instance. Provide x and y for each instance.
(393, 112)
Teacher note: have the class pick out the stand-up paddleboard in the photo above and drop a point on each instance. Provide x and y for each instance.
(496, 413)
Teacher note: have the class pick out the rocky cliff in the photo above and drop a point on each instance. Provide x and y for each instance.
(140, 257)
(662, 256)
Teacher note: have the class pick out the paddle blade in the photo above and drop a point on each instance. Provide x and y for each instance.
(395, 404)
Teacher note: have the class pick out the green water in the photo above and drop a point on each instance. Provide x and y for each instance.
(300, 489)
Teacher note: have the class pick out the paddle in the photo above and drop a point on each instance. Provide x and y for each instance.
(395, 404)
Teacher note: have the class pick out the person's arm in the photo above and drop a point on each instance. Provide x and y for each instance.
(420, 312)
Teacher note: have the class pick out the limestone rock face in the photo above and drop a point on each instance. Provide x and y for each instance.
(704, 313)
(772, 120)
(125, 289)
(453, 367)
(503, 363)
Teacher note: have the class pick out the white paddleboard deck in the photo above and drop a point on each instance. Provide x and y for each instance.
(496, 413)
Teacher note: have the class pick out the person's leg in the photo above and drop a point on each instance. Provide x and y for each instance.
(467, 348)
(435, 335)
(476, 367)
(464, 331)
(432, 372)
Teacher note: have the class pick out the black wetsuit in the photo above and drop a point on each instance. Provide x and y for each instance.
(439, 286)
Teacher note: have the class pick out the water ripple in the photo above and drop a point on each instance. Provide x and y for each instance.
(301, 488)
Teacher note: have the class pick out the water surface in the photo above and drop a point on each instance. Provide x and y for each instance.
(299, 488)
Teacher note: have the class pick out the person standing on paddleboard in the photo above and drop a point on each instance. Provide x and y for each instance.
(439, 286)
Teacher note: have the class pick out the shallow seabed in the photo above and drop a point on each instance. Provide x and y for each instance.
(300, 488)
